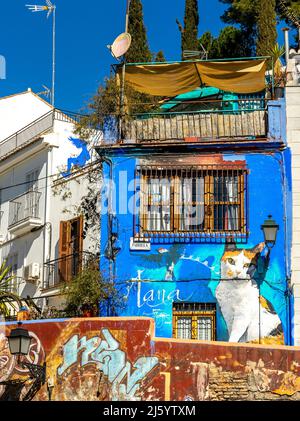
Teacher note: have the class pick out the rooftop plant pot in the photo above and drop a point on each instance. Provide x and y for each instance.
(279, 92)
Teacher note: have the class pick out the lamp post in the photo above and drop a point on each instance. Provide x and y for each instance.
(270, 228)
(122, 99)
(19, 342)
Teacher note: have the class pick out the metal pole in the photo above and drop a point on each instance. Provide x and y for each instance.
(123, 78)
(53, 56)
(259, 315)
(273, 80)
(286, 44)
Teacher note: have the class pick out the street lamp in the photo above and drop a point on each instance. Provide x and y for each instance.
(270, 228)
(19, 342)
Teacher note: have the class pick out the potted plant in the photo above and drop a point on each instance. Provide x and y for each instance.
(87, 291)
(279, 74)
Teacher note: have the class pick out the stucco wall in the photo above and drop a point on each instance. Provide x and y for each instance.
(190, 271)
(48, 156)
(120, 359)
(17, 111)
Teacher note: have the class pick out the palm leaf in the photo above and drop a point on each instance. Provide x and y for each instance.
(8, 300)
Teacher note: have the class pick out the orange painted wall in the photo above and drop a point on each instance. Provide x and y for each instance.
(120, 359)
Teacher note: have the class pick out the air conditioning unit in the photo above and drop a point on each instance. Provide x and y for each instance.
(32, 272)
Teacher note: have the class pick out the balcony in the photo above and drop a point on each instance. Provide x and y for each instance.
(24, 213)
(204, 121)
(34, 131)
(65, 268)
(196, 102)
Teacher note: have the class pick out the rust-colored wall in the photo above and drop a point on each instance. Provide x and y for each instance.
(119, 359)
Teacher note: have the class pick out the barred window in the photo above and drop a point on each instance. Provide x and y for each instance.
(194, 321)
(187, 200)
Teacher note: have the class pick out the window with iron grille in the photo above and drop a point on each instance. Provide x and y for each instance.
(206, 200)
(194, 321)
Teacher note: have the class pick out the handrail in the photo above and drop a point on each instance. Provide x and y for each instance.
(69, 256)
(54, 111)
(35, 192)
(26, 127)
(34, 129)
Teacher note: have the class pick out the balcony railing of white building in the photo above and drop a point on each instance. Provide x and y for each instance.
(24, 207)
(34, 131)
(65, 268)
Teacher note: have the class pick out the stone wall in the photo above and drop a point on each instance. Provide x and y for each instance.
(120, 359)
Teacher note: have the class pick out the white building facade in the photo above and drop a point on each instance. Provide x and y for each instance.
(43, 232)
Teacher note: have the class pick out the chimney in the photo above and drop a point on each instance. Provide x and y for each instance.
(286, 44)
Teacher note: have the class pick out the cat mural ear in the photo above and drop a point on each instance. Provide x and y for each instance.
(258, 248)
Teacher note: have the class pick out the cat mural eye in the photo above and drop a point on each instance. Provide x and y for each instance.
(246, 265)
(231, 261)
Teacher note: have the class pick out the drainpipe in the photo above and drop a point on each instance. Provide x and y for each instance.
(286, 250)
(45, 217)
(109, 219)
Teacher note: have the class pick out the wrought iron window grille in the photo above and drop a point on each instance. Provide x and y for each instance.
(192, 203)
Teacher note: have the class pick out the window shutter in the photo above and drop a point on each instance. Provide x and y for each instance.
(80, 233)
(64, 251)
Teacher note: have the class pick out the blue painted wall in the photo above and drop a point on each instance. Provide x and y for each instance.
(196, 267)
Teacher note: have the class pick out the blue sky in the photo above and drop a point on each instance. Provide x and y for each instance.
(84, 28)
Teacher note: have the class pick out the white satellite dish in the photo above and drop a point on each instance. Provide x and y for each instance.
(120, 45)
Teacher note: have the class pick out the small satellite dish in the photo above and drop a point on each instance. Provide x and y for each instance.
(120, 45)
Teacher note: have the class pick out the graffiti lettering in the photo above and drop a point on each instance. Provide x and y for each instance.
(157, 298)
(111, 360)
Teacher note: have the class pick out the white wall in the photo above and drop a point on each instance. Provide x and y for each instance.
(293, 138)
(18, 111)
(62, 209)
(29, 246)
(50, 159)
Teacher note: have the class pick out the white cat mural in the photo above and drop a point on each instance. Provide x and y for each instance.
(248, 315)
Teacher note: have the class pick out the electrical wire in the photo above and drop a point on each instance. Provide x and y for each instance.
(44, 178)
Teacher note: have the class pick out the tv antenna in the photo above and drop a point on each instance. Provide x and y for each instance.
(49, 8)
(118, 49)
(291, 16)
(46, 92)
(289, 13)
(189, 54)
(120, 45)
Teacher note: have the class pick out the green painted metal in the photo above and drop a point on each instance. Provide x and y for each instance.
(187, 96)
(198, 61)
(158, 113)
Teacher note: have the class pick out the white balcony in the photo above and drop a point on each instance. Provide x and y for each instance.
(24, 213)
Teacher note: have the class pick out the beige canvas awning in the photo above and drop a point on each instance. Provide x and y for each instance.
(244, 76)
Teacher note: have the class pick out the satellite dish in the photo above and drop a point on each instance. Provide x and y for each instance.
(120, 45)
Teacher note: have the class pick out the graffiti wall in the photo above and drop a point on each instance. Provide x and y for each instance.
(242, 281)
(112, 359)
